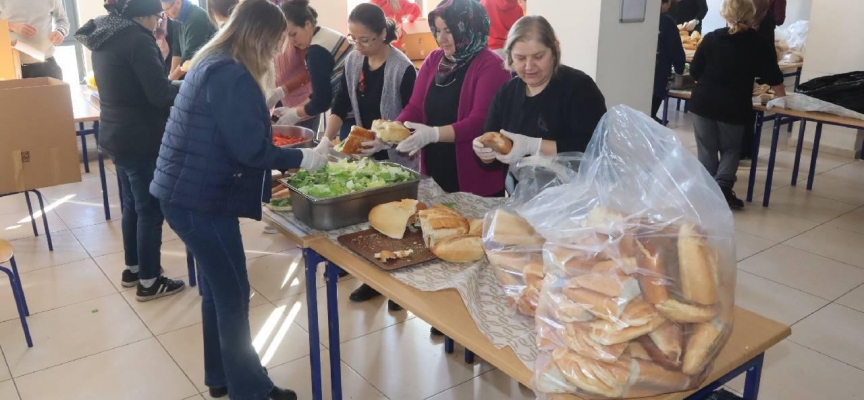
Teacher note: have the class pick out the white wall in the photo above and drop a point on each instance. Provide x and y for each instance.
(827, 54)
(627, 56)
(577, 25)
(796, 10)
(333, 13)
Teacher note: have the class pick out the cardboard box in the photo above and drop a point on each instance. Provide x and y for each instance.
(417, 40)
(10, 60)
(38, 146)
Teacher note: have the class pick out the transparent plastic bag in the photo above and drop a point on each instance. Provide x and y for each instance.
(516, 256)
(797, 37)
(639, 267)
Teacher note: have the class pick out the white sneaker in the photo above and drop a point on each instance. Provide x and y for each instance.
(269, 229)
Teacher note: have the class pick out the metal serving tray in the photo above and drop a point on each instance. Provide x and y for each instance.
(289, 131)
(350, 209)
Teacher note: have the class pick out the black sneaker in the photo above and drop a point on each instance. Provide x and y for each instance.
(281, 394)
(343, 273)
(734, 202)
(129, 279)
(435, 332)
(393, 306)
(161, 288)
(218, 392)
(363, 293)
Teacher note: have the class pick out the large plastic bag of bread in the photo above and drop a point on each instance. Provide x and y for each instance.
(639, 267)
(513, 248)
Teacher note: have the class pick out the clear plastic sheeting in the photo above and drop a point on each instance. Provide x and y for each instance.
(513, 248)
(638, 279)
(801, 102)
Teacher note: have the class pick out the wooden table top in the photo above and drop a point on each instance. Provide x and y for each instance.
(82, 110)
(820, 117)
(686, 94)
(752, 334)
(284, 227)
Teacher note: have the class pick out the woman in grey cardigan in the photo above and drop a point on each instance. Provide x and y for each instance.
(377, 84)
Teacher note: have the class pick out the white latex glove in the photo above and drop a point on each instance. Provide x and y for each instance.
(287, 116)
(522, 146)
(373, 146)
(324, 146)
(313, 160)
(485, 154)
(423, 136)
(690, 26)
(274, 95)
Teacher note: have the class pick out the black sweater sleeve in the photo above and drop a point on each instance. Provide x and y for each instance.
(702, 7)
(586, 109)
(147, 65)
(700, 59)
(769, 70)
(342, 102)
(673, 46)
(320, 64)
(407, 86)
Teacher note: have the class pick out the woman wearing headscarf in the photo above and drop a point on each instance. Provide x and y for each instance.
(136, 98)
(451, 100)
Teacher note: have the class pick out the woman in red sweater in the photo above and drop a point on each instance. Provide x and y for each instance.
(503, 14)
(398, 10)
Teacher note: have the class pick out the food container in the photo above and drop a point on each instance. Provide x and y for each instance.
(288, 131)
(350, 209)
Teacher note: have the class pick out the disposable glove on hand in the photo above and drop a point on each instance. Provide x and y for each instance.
(373, 146)
(485, 154)
(324, 146)
(313, 160)
(287, 116)
(690, 26)
(522, 146)
(423, 136)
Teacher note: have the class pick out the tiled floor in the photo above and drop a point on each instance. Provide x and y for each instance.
(801, 262)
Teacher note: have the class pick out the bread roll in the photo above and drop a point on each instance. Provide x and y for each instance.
(512, 261)
(392, 218)
(390, 132)
(459, 249)
(669, 340)
(698, 267)
(599, 305)
(354, 141)
(686, 313)
(438, 225)
(650, 376)
(572, 260)
(638, 351)
(533, 274)
(577, 337)
(603, 219)
(497, 142)
(652, 274)
(701, 344)
(609, 333)
(550, 380)
(637, 313)
(475, 227)
(597, 377)
(615, 284)
(625, 265)
(527, 302)
(509, 229)
(567, 311)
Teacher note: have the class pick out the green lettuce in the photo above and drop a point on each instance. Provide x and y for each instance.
(345, 177)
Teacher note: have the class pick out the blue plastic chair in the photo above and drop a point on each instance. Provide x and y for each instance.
(7, 254)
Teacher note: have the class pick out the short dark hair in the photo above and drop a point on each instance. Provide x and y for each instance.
(372, 17)
(222, 8)
(298, 12)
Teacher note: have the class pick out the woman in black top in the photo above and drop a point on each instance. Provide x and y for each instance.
(554, 108)
(372, 34)
(725, 67)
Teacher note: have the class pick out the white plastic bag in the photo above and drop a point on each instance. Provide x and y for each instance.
(639, 267)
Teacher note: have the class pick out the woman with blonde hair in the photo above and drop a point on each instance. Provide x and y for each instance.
(550, 108)
(725, 67)
(214, 167)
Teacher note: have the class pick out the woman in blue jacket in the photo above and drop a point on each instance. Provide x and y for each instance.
(214, 168)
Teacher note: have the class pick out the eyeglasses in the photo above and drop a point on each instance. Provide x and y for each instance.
(161, 17)
(364, 41)
(173, 3)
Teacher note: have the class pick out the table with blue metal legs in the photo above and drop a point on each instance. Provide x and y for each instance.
(743, 354)
(782, 116)
(33, 217)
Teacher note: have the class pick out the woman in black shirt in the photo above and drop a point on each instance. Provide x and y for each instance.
(554, 108)
(725, 67)
(373, 65)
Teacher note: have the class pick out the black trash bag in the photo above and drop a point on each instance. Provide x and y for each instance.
(845, 90)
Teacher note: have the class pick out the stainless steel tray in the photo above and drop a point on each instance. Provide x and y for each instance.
(350, 209)
(289, 131)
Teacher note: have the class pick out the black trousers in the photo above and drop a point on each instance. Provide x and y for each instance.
(656, 102)
(49, 68)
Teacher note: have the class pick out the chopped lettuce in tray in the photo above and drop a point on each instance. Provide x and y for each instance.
(344, 177)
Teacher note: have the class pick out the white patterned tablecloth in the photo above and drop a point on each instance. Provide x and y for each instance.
(476, 283)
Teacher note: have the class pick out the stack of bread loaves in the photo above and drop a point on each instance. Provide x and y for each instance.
(514, 250)
(632, 308)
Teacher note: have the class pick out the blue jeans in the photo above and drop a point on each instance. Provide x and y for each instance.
(229, 357)
(142, 217)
